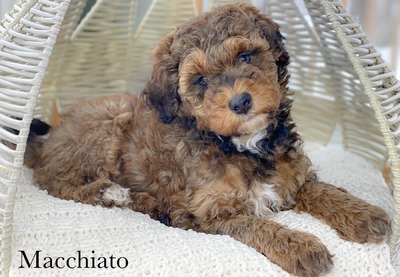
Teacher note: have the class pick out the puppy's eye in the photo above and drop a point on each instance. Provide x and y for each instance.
(245, 57)
(201, 81)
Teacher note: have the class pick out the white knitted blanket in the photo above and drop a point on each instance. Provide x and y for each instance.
(46, 228)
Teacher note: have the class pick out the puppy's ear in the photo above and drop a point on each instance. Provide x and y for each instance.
(161, 91)
(283, 57)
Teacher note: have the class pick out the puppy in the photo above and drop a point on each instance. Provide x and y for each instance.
(210, 145)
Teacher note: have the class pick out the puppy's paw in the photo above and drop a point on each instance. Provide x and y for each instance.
(299, 253)
(366, 223)
(115, 196)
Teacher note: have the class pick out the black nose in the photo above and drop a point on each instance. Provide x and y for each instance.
(241, 103)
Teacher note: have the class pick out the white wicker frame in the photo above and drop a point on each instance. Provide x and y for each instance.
(48, 55)
(28, 34)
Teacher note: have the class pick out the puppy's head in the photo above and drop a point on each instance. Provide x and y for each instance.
(225, 69)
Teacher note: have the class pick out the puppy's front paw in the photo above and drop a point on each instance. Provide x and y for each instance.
(299, 253)
(115, 195)
(353, 218)
(366, 223)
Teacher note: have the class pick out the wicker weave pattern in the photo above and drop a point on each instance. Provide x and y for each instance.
(337, 75)
(28, 34)
(160, 19)
(60, 53)
(106, 53)
(361, 133)
(90, 57)
(310, 76)
(382, 88)
(222, 2)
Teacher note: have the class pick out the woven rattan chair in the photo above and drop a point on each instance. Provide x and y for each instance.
(52, 53)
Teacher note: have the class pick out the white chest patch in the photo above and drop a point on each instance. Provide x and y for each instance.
(249, 142)
(265, 199)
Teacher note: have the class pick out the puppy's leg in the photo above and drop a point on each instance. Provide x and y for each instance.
(353, 218)
(222, 208)
(109, 194)
(298, 253)
(100, 192)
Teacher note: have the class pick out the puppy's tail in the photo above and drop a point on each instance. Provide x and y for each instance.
(37, 135)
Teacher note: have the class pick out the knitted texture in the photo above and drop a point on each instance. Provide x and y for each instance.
(60, 228)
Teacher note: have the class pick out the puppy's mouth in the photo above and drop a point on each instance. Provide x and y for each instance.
(253, 124)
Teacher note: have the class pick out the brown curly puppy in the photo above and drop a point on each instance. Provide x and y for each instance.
(210, 146)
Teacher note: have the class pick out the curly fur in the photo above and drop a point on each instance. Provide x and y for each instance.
(210, 146)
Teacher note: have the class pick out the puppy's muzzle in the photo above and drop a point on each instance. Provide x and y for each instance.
(241, 104)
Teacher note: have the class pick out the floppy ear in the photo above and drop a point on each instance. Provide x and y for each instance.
(283, 58)
(161, 91)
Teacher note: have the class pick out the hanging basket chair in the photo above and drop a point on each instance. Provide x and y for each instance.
(53, 52)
